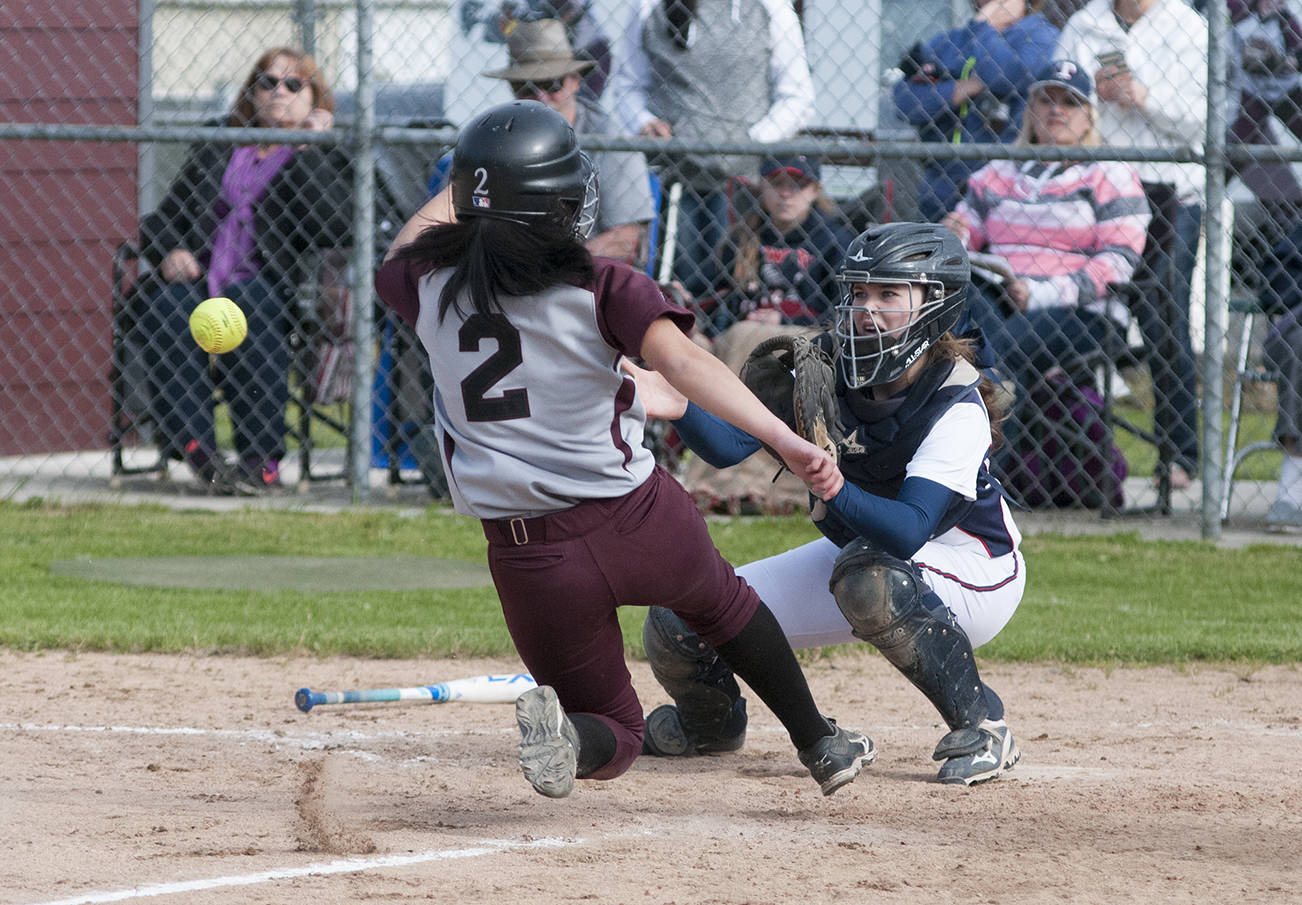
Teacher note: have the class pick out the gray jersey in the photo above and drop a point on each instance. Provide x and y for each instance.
(532, 412)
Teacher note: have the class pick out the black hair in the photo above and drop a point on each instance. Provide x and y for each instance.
(680, 14)
(498, 257)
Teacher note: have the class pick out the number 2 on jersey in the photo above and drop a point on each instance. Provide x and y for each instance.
(477, 385)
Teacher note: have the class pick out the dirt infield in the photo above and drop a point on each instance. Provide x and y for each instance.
(194, 779)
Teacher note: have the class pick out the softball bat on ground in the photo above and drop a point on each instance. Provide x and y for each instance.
(218, 325)
(473, 690)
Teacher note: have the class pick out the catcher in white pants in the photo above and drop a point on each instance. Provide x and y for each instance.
(981, 591)
(920, 552)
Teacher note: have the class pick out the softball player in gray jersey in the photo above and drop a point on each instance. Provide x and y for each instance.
(541, 437)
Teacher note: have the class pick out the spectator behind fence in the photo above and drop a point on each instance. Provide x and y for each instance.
(582, 30)
(1266, 42)
(1282, 298)
(778, 276)
(544, 68)
(1063, 231)
(712, 71)
(1149, 60)
(778, 265)
(968, 86)
(237, 222)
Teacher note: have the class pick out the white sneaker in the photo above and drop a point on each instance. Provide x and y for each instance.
(549, 744)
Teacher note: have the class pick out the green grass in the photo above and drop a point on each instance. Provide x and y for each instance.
(1089, 600)
(323, 436)
(1254, 426)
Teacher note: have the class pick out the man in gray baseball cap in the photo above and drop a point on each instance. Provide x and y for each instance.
(543, 67)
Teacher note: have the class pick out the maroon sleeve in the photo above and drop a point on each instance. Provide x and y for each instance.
(627, 303)
(395, 283)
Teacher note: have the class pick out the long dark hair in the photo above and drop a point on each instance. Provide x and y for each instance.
(490, 258)
(745, 238)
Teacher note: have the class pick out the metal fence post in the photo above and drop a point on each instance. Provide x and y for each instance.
(1216, 271)
(305, 18)
(146, 152)
(359, 444)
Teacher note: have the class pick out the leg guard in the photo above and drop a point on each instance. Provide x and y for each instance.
(885, 602)
(709, 713)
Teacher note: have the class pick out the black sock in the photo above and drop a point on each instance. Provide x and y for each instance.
(761, 655)
(994, 703)
(596, 743)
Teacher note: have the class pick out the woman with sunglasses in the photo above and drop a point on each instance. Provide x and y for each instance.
(236, 222)
(1064, 230)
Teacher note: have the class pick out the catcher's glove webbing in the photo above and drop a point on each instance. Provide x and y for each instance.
(795, 380)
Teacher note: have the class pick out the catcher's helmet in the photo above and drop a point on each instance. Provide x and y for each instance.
(923, 254)
(521, 162)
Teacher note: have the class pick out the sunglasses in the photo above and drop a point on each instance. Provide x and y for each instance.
(267, 82)
(530, 88)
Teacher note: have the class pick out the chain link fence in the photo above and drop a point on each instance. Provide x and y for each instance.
(741, 146)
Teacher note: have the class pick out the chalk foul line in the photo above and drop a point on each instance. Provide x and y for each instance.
(342, 866)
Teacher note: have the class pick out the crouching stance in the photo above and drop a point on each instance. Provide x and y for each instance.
(920, 553)
(541, 439)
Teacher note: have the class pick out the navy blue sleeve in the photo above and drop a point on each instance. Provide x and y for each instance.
(900, 526)
(716, 441)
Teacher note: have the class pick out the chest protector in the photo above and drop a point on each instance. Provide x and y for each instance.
(883, 435)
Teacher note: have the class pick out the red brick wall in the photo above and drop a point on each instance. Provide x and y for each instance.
(64, 206)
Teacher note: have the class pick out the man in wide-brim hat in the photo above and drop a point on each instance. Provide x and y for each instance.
(543, 67)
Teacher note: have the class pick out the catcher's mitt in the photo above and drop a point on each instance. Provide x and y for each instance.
(795, 379)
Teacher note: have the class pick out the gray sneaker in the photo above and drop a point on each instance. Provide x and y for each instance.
(549, 744)
(977, 755)
(836, 759)
(1284, 516)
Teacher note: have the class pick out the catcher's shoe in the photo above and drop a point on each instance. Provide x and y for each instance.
(977, 755)
(549, 743)
(666, 736)
(836, 759)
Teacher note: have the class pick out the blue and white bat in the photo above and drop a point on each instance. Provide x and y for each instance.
(474, 690)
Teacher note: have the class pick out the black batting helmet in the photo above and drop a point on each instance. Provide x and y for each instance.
(923, 254)
(521, 162)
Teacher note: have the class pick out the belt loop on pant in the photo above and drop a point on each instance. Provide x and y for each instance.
(519, 533)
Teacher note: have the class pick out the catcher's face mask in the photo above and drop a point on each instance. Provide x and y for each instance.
(586, 223)
(881, 327)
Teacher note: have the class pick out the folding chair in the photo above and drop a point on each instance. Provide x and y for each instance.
(320, 355)
(1246, 373)
(130, 397)
(1143, 289)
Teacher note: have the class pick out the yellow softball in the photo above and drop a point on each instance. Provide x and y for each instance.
(218, 325)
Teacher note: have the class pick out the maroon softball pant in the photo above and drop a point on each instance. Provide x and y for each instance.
(562, 576)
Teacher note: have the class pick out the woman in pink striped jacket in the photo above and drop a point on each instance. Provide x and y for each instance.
(1064, 231)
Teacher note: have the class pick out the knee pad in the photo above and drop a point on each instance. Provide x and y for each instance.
(701, 684)
(888, 605)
